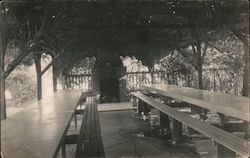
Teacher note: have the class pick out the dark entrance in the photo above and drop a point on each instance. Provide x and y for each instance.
(109, 91)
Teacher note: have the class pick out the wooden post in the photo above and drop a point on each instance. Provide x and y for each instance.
(177, 130)
(2, 83)
(223, 152)
(37, 59)
(54, 78)
(164, 121)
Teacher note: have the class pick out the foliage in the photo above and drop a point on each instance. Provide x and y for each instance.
(133, 65)
(175, 64)
(21, 85)
(224, 65)
(133, 81)
(222, 68)
(85, 66)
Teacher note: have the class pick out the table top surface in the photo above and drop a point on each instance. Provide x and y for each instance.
(231, 105)
(37, 130)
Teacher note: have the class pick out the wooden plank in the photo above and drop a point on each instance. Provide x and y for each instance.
(90, 140)
(227, 104)
(227, 139)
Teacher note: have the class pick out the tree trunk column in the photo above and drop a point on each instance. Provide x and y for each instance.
(2, 86)
(37, 59)
(54, 78)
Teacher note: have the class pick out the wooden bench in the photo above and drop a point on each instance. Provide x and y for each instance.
(79, 109)
(89, 142)
(228, 144)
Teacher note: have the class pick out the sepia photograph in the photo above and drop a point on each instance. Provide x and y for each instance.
(124, 79)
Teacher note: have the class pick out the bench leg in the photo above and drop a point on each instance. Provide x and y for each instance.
(177, 130)
(63, 150)
(223, 152)
(164, 121)
(75, 120)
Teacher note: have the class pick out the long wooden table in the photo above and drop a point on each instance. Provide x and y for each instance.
(231, 105)
(38, 130)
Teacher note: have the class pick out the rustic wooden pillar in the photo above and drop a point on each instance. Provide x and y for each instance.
(164, 121)
(54, 78)
(37, 59)
(176, 130)
(2, 84)
(223, 152)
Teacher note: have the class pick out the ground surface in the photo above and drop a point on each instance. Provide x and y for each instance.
(124, 135)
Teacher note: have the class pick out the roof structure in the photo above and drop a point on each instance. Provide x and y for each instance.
(147, 29)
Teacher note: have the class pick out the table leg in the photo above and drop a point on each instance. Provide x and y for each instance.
(177, 130)
(63, 150)
(164, 121)
(75, 120)
(140, 107)
(134, 102)
(223, 152)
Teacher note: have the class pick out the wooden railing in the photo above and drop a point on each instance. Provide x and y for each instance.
(135, 79)
(79, 82)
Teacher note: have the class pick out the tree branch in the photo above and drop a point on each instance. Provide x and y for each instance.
(22, 54)
(54, 59)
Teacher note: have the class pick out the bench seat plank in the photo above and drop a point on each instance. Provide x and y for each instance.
(227, 139)
(90, 143)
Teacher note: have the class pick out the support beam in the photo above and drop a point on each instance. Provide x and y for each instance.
(37, 59)
(22, 54)
(54, 78)
(2, 80)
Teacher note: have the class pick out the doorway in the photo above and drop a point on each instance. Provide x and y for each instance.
(109, 91)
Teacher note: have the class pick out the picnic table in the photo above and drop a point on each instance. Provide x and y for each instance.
(227, 104)
(228, 144)
(38, 131)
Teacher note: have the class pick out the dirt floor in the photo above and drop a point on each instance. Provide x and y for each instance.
(126, 135)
